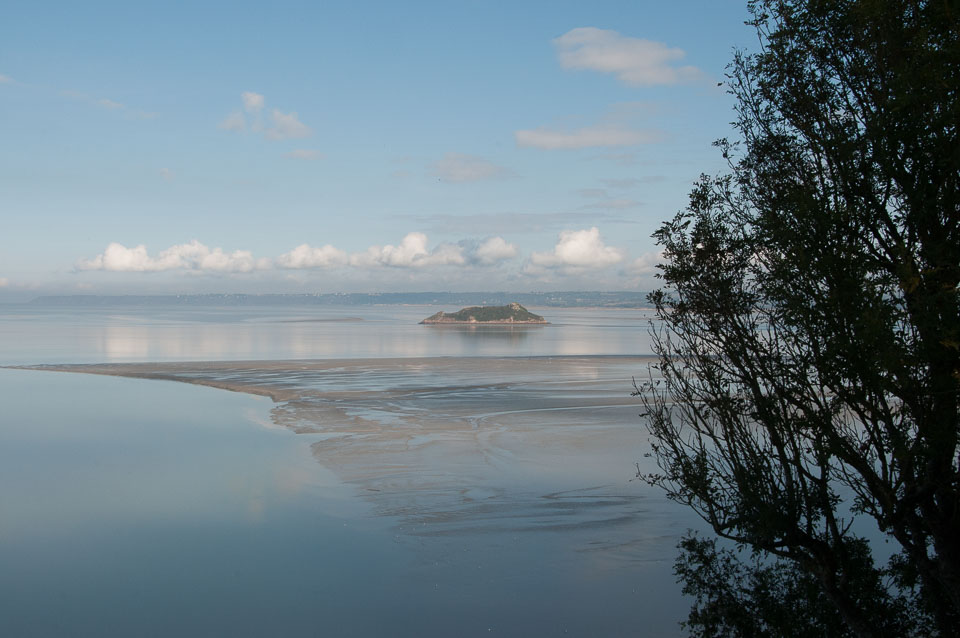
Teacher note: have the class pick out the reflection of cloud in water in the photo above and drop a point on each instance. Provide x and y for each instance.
(217, 336)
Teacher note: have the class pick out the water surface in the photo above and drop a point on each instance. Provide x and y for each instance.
(377, 495)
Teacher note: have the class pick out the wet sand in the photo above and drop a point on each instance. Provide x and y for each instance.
(454, 445)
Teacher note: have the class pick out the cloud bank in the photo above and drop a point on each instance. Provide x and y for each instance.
(192, 256)
(413, 252)
(305, 256)
(578, 256)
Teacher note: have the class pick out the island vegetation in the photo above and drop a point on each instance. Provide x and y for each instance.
(511, 314)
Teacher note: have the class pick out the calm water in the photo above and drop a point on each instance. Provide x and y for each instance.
(139, 507)
(30, 335)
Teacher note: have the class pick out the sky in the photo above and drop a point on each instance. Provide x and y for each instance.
(316, 147)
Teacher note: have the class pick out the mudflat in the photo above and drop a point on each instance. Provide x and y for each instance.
(461, 443)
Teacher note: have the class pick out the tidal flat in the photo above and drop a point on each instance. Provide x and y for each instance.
(408, 496)
(451, 444)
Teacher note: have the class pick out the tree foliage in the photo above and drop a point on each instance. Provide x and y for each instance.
(809, 376)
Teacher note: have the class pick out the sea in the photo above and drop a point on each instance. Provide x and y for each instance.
(329, 471)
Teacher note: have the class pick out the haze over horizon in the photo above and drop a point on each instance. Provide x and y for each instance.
(182, 149)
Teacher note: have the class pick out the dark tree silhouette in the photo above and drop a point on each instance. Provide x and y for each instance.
(809, 379)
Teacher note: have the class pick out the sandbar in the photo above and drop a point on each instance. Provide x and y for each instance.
(449, 444)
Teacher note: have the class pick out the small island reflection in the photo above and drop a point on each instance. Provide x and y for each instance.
(500, 332)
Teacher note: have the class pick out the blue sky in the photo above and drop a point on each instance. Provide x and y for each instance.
(323, 147)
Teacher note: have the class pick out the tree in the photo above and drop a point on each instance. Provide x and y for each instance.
(807, 402)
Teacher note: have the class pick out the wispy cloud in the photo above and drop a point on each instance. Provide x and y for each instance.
(602, 135)
(4, 282)
(252, 102)
(614, 203)
(108, 104)
(459, 167)
(632, 182)
(623, 159)
(287, 126)
(167, 174)
(283, 126)
(5, 79)
(592, 193)
(604, 200)
(512, 222)
(303, 154)
(635, 61)
(233, 122)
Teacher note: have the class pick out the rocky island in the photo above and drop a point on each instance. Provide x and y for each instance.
(511, 314)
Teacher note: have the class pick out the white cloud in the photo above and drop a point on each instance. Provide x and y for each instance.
(252, 102)
(493, 250)
(5, 79)
(283, 126)
(646, 264)
(191, 256)
(303, 154)
(166, 174)
(578, 249)
(110, 104)
(411, 253)
(635, 61)
(233, 122)
(306, 256)
(287, 126)
(459, 167)
(603, 135)
(4, 282)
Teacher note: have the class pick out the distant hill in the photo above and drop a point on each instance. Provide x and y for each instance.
(567, 299)
(510, 314)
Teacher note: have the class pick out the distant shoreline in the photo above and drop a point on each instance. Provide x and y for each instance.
(561, 299)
